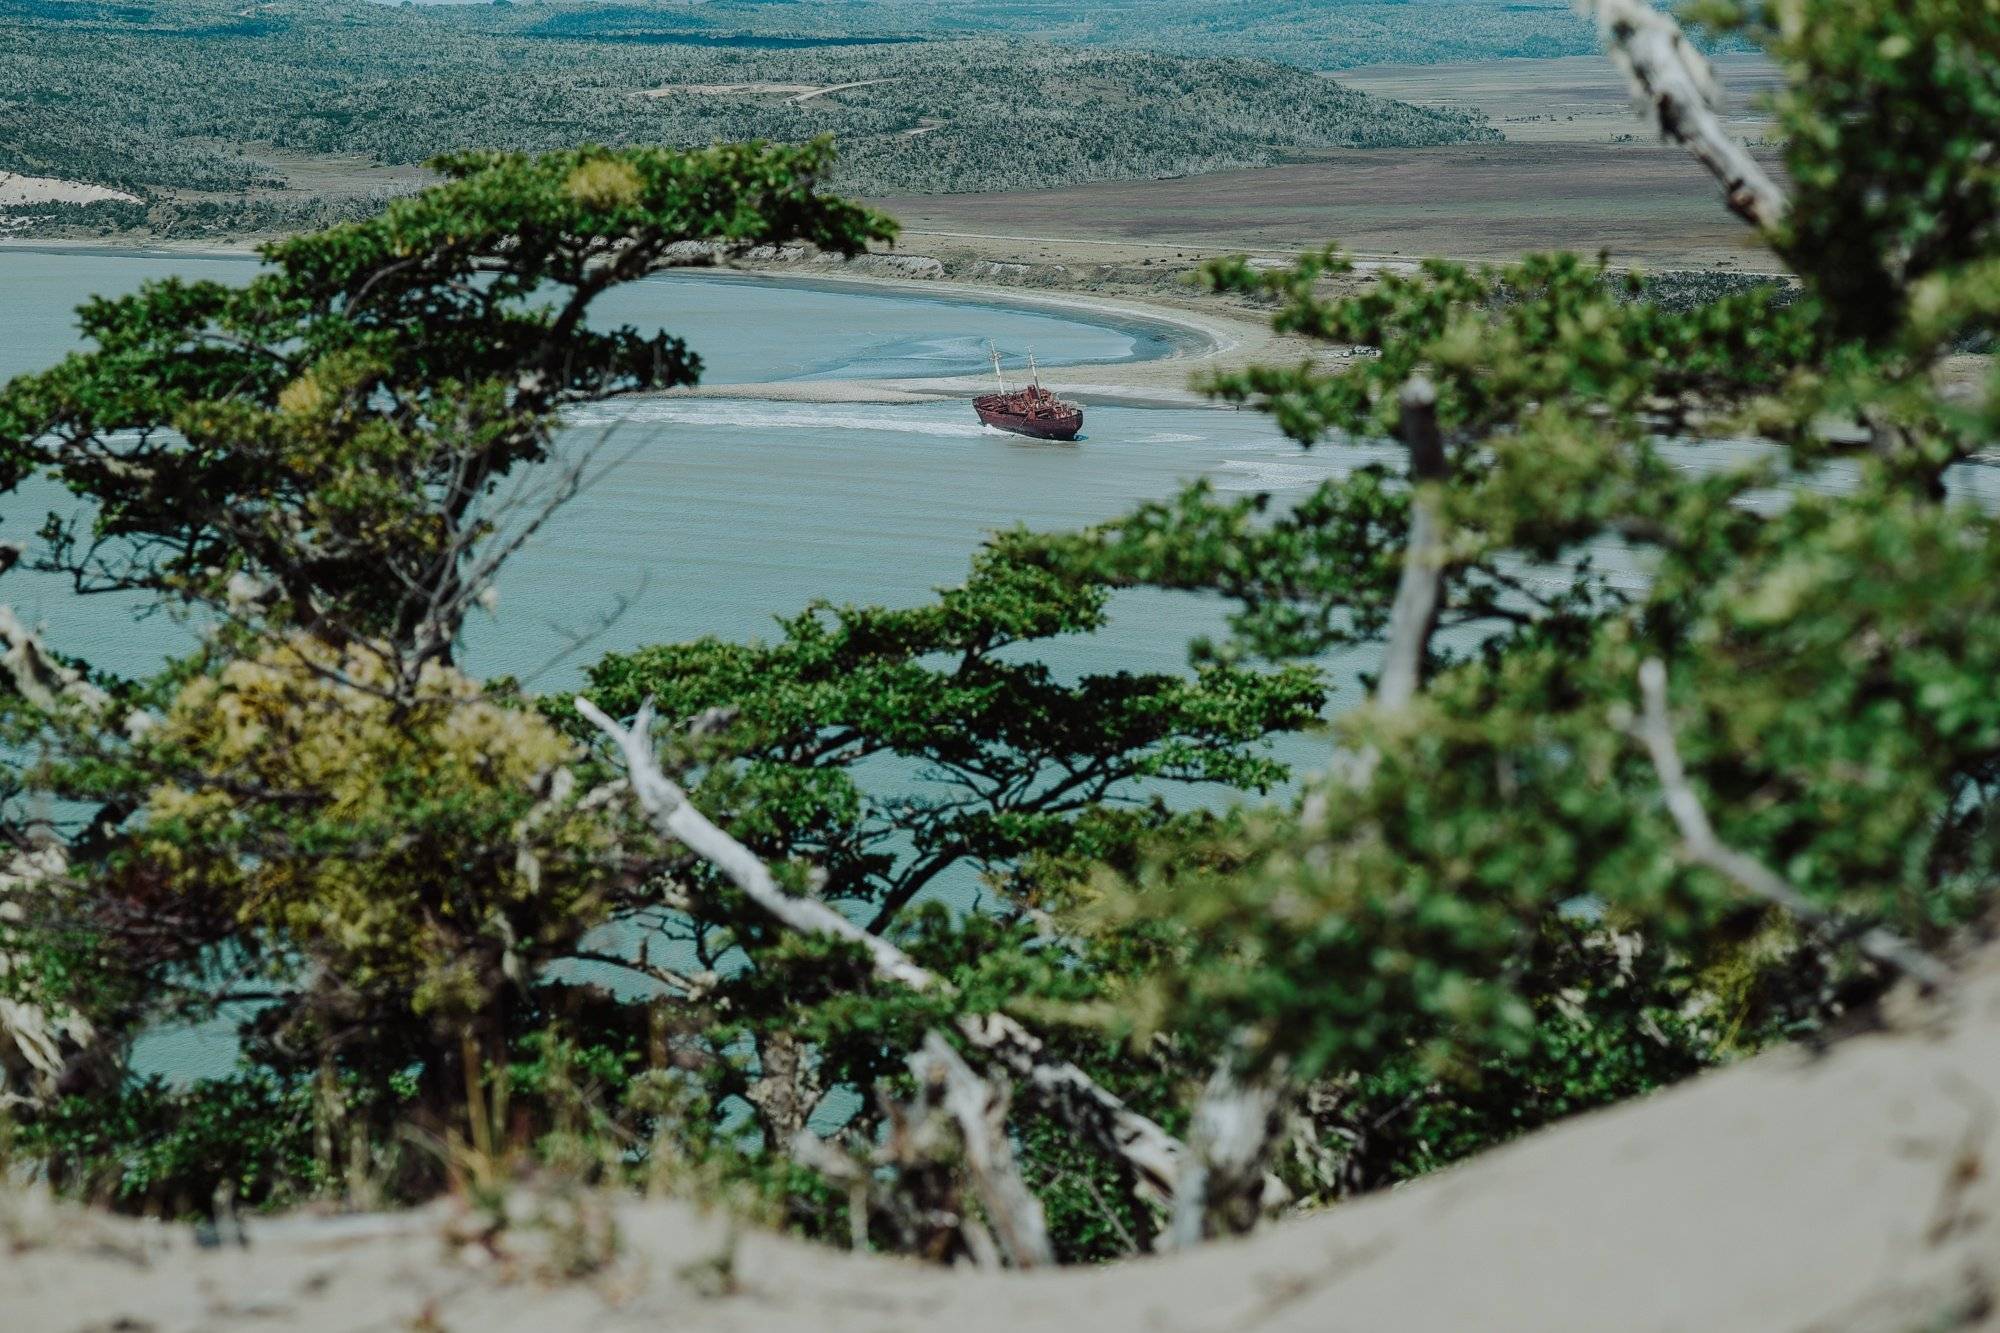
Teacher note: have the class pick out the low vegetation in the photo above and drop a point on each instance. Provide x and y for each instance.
(396, 87)
(681, 930)
(1313, 34)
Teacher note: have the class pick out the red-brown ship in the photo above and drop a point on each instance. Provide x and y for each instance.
(1032, 411)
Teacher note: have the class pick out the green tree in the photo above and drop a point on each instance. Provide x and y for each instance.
(327, 467)
(320, 815)
(1703, 762)
(873, 756)
(1423, 938)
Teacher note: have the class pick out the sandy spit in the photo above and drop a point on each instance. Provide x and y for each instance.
(1201, 342)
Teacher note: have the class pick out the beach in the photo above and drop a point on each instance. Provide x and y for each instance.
(1204, 334)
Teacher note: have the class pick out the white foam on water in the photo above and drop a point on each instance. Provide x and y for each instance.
(1268, 474)
(746, 414)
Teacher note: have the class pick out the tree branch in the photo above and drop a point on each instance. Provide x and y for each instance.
(979, 1107)
(1235, 1124)
(1154, 1156)
(37, 675)
(1677, 83)
(668, 807)
(1702, 847)
(1413, 616)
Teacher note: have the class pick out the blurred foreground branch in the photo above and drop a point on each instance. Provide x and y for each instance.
(1676, 82)
(1702, 847)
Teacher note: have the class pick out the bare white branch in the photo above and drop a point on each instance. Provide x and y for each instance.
(1674, 80)
(37, 675)
(1413, 616)
(1154, 1156)
(1702, 847)
(979, 1108)
(668, 807)
(1235, 1124)
(37, 1040)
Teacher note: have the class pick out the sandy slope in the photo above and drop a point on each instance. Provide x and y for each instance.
(1202, 341)
(1851, 1190)
(16, 190)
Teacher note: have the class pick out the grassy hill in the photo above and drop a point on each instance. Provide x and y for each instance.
(190, 96)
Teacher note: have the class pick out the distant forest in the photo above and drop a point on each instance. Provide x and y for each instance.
(188, 95)
(1314, 34)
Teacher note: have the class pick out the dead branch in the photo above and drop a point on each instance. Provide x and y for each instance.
(1235, 1124)
(979, 1108)
(39, 1042)
(1702, 847)
(1413, 617)
(957, 1117)
(1154, 1156)
(667, 805)
(1679, 87)
(38, 675)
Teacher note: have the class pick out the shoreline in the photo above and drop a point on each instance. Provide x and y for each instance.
(1194, 341)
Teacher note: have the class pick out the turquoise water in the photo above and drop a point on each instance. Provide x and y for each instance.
(728, 512)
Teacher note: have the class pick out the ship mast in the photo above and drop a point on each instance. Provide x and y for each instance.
(995, 353)
(1033, 371)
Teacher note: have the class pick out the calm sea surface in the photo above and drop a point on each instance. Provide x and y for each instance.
(728, 512)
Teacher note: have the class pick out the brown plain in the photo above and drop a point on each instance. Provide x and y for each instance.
(1579, 170)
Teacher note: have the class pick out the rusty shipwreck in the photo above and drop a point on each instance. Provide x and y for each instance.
(1031, 411)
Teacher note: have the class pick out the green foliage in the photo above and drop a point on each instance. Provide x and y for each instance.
(1821, 650)
(1883, 111)
(316, 815)
(1608, 1022)
(463, 805)
(880, 757)
(1008, 755)
(151, 1148)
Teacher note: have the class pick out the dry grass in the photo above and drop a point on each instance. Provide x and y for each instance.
(1575, 99)
(1579, 171)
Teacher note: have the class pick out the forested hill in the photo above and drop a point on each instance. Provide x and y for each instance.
(1316, 34)
(189, 95)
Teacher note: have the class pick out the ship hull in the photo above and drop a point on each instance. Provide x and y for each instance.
(1040, 426)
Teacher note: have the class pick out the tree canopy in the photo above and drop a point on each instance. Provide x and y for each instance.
(1679, 741)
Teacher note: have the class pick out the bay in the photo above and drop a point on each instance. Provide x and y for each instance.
(725, 512)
